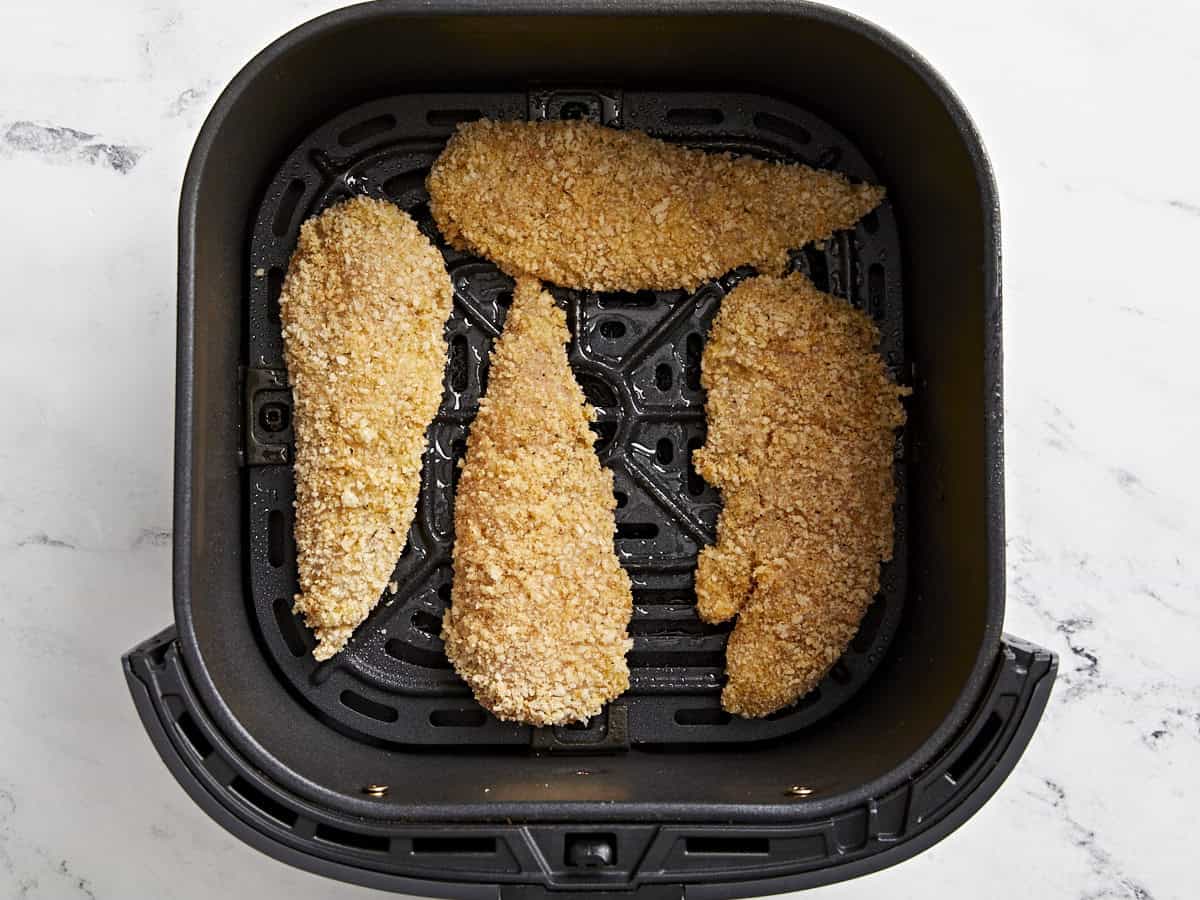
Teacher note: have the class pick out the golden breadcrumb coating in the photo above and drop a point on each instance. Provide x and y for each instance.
(585, 206)
(538, 623)
(364, 307)
(801, 420)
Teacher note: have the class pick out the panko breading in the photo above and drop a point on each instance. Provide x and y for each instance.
(585, 206)
(801, 421)
(538, 622)
(364, 307)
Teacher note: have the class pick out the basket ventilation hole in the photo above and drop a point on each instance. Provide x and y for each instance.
(728, 846)
(458, 449)
(663, 378)
(699, 659)
(810, 699)
(457, 366)
(869, 627)
(275, 538)
(274, 289)
(416, 656)
(599, 394)
(605, 432)
(841, 673)
(262, 802)
(646, 623)
(694, 116)
(783, 127)
(642, 531)
(708, 716)
(369, 708)
(364, 131)
(695, 483)
(870, 222)
(448, 118)
(829, 158)
(875, 289)
(691, 361)
(612, 329)
(818, 268)
(638, 300)
(194, 735)
(286, 210)
(290, 629)
(658, 597)
(444, 592)
(622, 498)
(454, 845)
(407, 186)
(457, 718)
(976, 749)
(427, 623)
(370, 842)
(421, 214)
(665, 451)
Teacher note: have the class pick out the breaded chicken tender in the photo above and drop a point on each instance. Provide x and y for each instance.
(585, 206)
(801, 420)
(364, 307)
(538, 622)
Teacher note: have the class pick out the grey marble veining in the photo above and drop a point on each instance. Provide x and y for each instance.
(1085, 109)
(57, 143)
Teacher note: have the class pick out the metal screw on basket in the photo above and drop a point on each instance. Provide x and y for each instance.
(376, 790)
(274, 417)
(797, 790)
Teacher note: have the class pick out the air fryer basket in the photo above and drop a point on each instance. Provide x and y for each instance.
(913, 729)
(638, 359)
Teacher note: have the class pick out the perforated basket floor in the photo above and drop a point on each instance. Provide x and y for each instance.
(637, 357)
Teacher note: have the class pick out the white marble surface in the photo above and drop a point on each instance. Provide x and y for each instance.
(1086, 113)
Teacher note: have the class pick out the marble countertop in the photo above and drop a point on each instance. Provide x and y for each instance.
(1084, 109)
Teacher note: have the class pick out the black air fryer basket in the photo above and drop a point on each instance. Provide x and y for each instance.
(377, 766)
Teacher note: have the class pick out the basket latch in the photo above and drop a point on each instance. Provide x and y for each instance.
(605, 733)
(268, 424)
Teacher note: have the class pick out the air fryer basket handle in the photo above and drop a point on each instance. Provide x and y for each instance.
(904, 820)
(899, 821)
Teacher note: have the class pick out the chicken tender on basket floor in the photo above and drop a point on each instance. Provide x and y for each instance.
(585, 206)
(801, 429)
(364, 308)
(538, 621)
